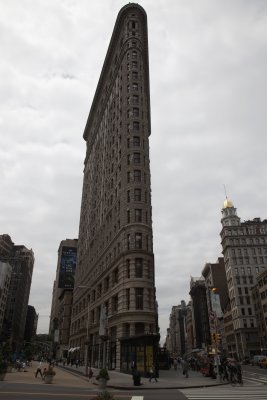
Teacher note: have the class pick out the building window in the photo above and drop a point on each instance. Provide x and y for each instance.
(128, 268)
(139, 294)
(136, 158)
(137, 175)
(128, 241)
(134, 64)
(138, 240)
(139, 328)
(138, 215)
(128, 196)
(137, 194)
(128, 299)
(128, 216)
(135, 87)
(134, 54)
(136, 112)
(139, 268)
(93, 315)
(136, 126)
(106, 284)
(115, 303)
(115, 276)
(136, 141)
(135, 75)
(135, 99)
(128, 176)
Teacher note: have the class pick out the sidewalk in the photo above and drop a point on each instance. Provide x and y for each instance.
(68, 376)
(168, 379)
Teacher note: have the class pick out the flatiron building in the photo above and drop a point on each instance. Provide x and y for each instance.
(115, 261)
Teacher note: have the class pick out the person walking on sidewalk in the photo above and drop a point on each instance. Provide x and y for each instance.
(185, 366)
(152, 374)
(39, 370)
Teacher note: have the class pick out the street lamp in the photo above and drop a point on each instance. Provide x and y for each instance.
(102, 326)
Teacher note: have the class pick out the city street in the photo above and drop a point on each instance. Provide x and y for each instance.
(71, 384)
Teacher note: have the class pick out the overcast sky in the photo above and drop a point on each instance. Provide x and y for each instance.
(208, 63)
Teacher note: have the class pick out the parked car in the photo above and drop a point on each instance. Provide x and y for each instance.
(263, 363)
(255, 360)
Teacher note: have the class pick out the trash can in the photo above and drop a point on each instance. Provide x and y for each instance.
(136, 378)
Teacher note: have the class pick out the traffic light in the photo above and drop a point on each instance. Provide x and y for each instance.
(216, 337)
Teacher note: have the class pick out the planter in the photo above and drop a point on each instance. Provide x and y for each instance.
(48, 378)
(102, 383)
(2, 375)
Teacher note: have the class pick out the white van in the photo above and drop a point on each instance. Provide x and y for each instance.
(255, 360)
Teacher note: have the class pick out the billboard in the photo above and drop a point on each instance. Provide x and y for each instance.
(216, 304)
(67, 267)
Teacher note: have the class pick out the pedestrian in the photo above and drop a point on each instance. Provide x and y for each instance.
(133, 365)
(90, 373)
(39, 370)
(185, 367)
(152, 374)
(175, 363)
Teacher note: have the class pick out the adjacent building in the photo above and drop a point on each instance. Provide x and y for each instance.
(61, 308)
(176, 340)
(200, 314)
(31, 324)
(114, 302)
(5, 278)
(244, 247)
(217, 301)
(259, 294)
(21, 260)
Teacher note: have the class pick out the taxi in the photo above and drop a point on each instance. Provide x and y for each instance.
(263, 363)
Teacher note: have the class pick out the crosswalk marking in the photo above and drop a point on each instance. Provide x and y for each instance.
(260, 379)
(226, 392)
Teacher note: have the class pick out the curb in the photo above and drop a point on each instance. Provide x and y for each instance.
(141, 387)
